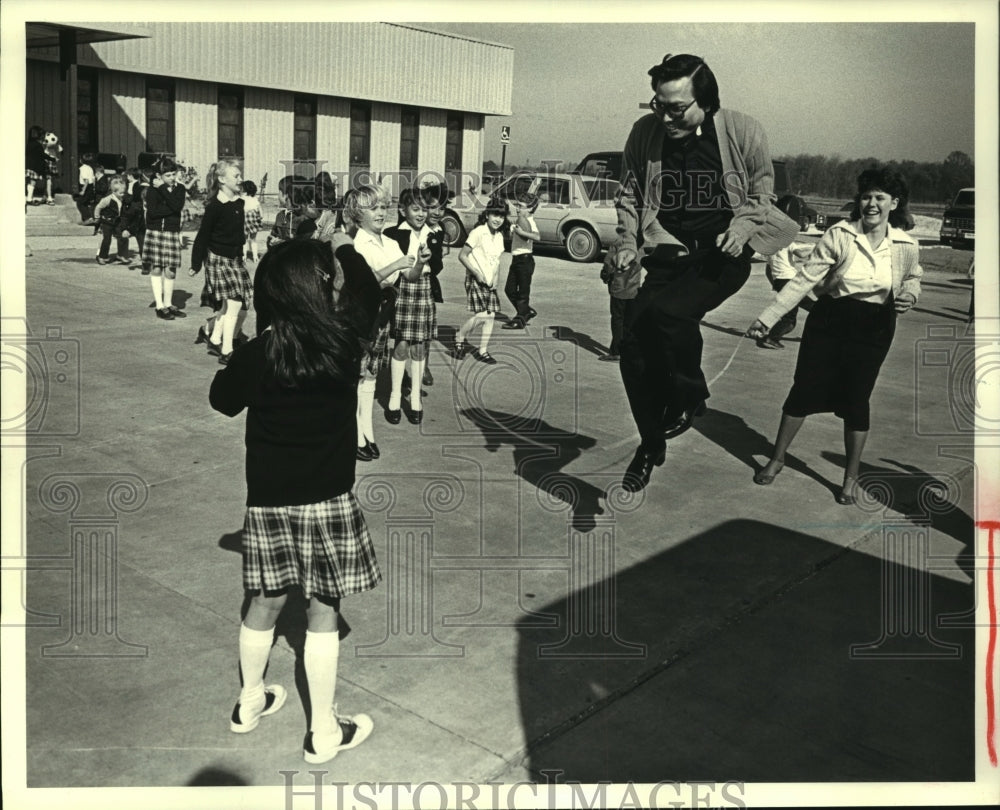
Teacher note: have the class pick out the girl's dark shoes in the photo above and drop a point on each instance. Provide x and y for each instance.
(368, 451)
(393, 417)
(846, 495)
(484, 357)
(224, 358)
(165, 314)
(514, 323)
(415, 417)
(460, 350)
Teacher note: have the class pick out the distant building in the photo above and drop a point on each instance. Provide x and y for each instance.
(368, 98)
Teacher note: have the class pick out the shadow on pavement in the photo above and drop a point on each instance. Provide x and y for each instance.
(540, 453)
(579, 339)
(773, 691)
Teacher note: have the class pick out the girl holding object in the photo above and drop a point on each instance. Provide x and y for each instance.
(481, 258)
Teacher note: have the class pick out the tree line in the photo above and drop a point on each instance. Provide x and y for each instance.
(822, 176)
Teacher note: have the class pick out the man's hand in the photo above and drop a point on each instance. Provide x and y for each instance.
(624, 257)
(730, 244)
(757, 330)
(904, 302)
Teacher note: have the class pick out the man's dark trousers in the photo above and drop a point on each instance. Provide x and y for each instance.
(662, 343)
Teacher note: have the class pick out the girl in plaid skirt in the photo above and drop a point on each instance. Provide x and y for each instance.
(253, 218)
(481, 258)
(303, 527)
(219, 247)
(161, 248)
(365, 211)
(416, 316)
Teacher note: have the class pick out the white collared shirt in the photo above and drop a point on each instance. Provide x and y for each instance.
(869, 276)
(379, 251)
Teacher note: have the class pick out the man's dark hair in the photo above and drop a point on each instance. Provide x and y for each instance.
(703, 83)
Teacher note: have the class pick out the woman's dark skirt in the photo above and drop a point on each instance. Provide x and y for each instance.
(844, 343)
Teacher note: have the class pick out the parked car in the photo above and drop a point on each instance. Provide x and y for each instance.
(958, 227)
(575, 211)
(609, 164)
(824, 219)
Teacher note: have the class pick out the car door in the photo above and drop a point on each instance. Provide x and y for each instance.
(553, 206)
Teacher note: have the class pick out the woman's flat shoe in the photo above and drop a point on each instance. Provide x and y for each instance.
(373, 449)
(844, 500)
(844, 497)
(765, 479)
(214, 349)
(364, 453)
(224, 359)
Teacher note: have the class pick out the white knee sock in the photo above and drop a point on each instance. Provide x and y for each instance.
(229, 325)
(484, 339)
(366, 401)
(255, 649)
(157, 282)
(320, 661)
(416, 376)
(168, 291)
(396, 368)
(464, 330)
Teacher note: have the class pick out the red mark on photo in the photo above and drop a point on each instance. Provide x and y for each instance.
(992, 526)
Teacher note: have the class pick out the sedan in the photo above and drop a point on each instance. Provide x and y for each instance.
(574, 211)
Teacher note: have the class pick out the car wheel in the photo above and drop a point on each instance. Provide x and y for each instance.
(582, 244)
(454, 233)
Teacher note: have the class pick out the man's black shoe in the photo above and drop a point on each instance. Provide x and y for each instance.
(675, 427)
(639, 469)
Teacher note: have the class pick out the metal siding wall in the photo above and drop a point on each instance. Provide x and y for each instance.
(433, 131)
(385, 145)
(333, 137)
(472, 144)
(43, 97)
(121, 114)
(268, 136)
(196, 133)
(353, 60)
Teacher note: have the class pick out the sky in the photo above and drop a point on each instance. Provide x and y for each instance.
(901, 91)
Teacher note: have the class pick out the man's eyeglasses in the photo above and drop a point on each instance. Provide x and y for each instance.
(672, 110)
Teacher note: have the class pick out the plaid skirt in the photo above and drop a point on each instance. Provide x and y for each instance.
(479, 297)
(323, 547)
(416, 315)
(253, 221)
(225, 280)
(376, 352)
(30, 174)
(162, 249)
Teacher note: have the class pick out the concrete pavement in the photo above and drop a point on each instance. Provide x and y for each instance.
(534, 617)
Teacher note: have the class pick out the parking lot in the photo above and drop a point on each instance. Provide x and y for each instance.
(534, 617)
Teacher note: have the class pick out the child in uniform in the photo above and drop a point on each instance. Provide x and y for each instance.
(253, 218)
(480, 256)
(365, 210)
(415, 320)
(435, 198)
(303, 527)
(108, 213)
(219, 248)
(522, 265)
(162, 244)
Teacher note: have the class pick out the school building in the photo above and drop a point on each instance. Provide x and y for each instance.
(369, 98)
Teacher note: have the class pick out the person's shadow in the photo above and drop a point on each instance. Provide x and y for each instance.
(541, 451)
(580, 339)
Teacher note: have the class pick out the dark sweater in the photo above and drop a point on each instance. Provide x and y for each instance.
(222, 231)
(163, 208)
(300, 442)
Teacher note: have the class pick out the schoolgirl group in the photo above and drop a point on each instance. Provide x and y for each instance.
(326, 308)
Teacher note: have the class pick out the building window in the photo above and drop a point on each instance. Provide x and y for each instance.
(409, 138)
(86, 110)
(361, 134)
(453, 142)
(304, 147)
(230, 122)
(160, 115)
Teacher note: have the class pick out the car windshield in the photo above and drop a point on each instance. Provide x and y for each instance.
(966, 198)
